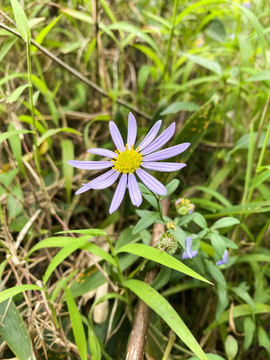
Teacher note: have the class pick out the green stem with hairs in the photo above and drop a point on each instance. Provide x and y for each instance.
(159, 206)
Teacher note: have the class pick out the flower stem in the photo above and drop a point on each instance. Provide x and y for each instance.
(159, 206)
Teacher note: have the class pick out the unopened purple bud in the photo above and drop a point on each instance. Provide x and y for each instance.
(225, 258)
(189, 253)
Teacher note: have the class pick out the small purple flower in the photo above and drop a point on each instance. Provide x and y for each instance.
(189, 253)
(247, 4)
(225, 258)
(126, 162)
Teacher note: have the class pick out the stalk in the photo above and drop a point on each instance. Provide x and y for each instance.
(32, 107)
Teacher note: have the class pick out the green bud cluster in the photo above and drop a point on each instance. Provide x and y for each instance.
(184, 207)
(167, 243)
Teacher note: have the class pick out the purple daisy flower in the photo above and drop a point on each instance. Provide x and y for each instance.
(225, 258)
(126, 162)
(189, 253)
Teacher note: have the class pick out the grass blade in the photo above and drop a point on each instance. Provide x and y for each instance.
(161, 306)
(77, 326)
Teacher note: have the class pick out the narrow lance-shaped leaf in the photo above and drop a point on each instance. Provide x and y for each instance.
(156, 255)
(161, 306)
(21, 20)
(77, 326)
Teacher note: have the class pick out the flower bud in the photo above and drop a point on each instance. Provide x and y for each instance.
(167, 243)
(231, 347)
(184, 207)
(171, 225)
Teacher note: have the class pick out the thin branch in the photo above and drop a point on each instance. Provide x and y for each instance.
(78, 74)
(142, 317)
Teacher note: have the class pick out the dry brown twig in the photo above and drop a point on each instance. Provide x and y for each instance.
(142, 317)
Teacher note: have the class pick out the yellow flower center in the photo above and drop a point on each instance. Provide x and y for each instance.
(128, 160)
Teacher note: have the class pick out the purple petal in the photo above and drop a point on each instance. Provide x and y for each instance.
(116, 136)
(150, 136)
(167, 153)
(119, 194)
(102, 152)
(132, 130)
(134, 190)
(161, 140)
(94, 181)
(90, 165)
(225, 257)
(165, 166)
(152, 183)
(188, 246)
(185, 255)
(107, 182)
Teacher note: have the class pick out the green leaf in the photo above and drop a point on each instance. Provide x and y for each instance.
(156, 255)
(249, 327)
(87, 281)
(225, 222)
(64, 253)
(93, 343)
(7, 46)
(209, 357)
(163, 308)
(264, 339)
(151, 55)
(136, 31)
(177, 106)
(6, 294)
(260, 76)
(52, 132)
(61, 284)
(92, 232)
(16, 146)
(77, 325)
(45, 30)
(241, 291)
(253, 258)
(217, 274)
(217, 243)
(208, 64)
(145, 222)
(171, 187)
(13, 330)
(78, 15)
(199, 220)
(63, 241)
(148, 196)
(21, 20)
(8, 134)
(16, 93)
(210, 192)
